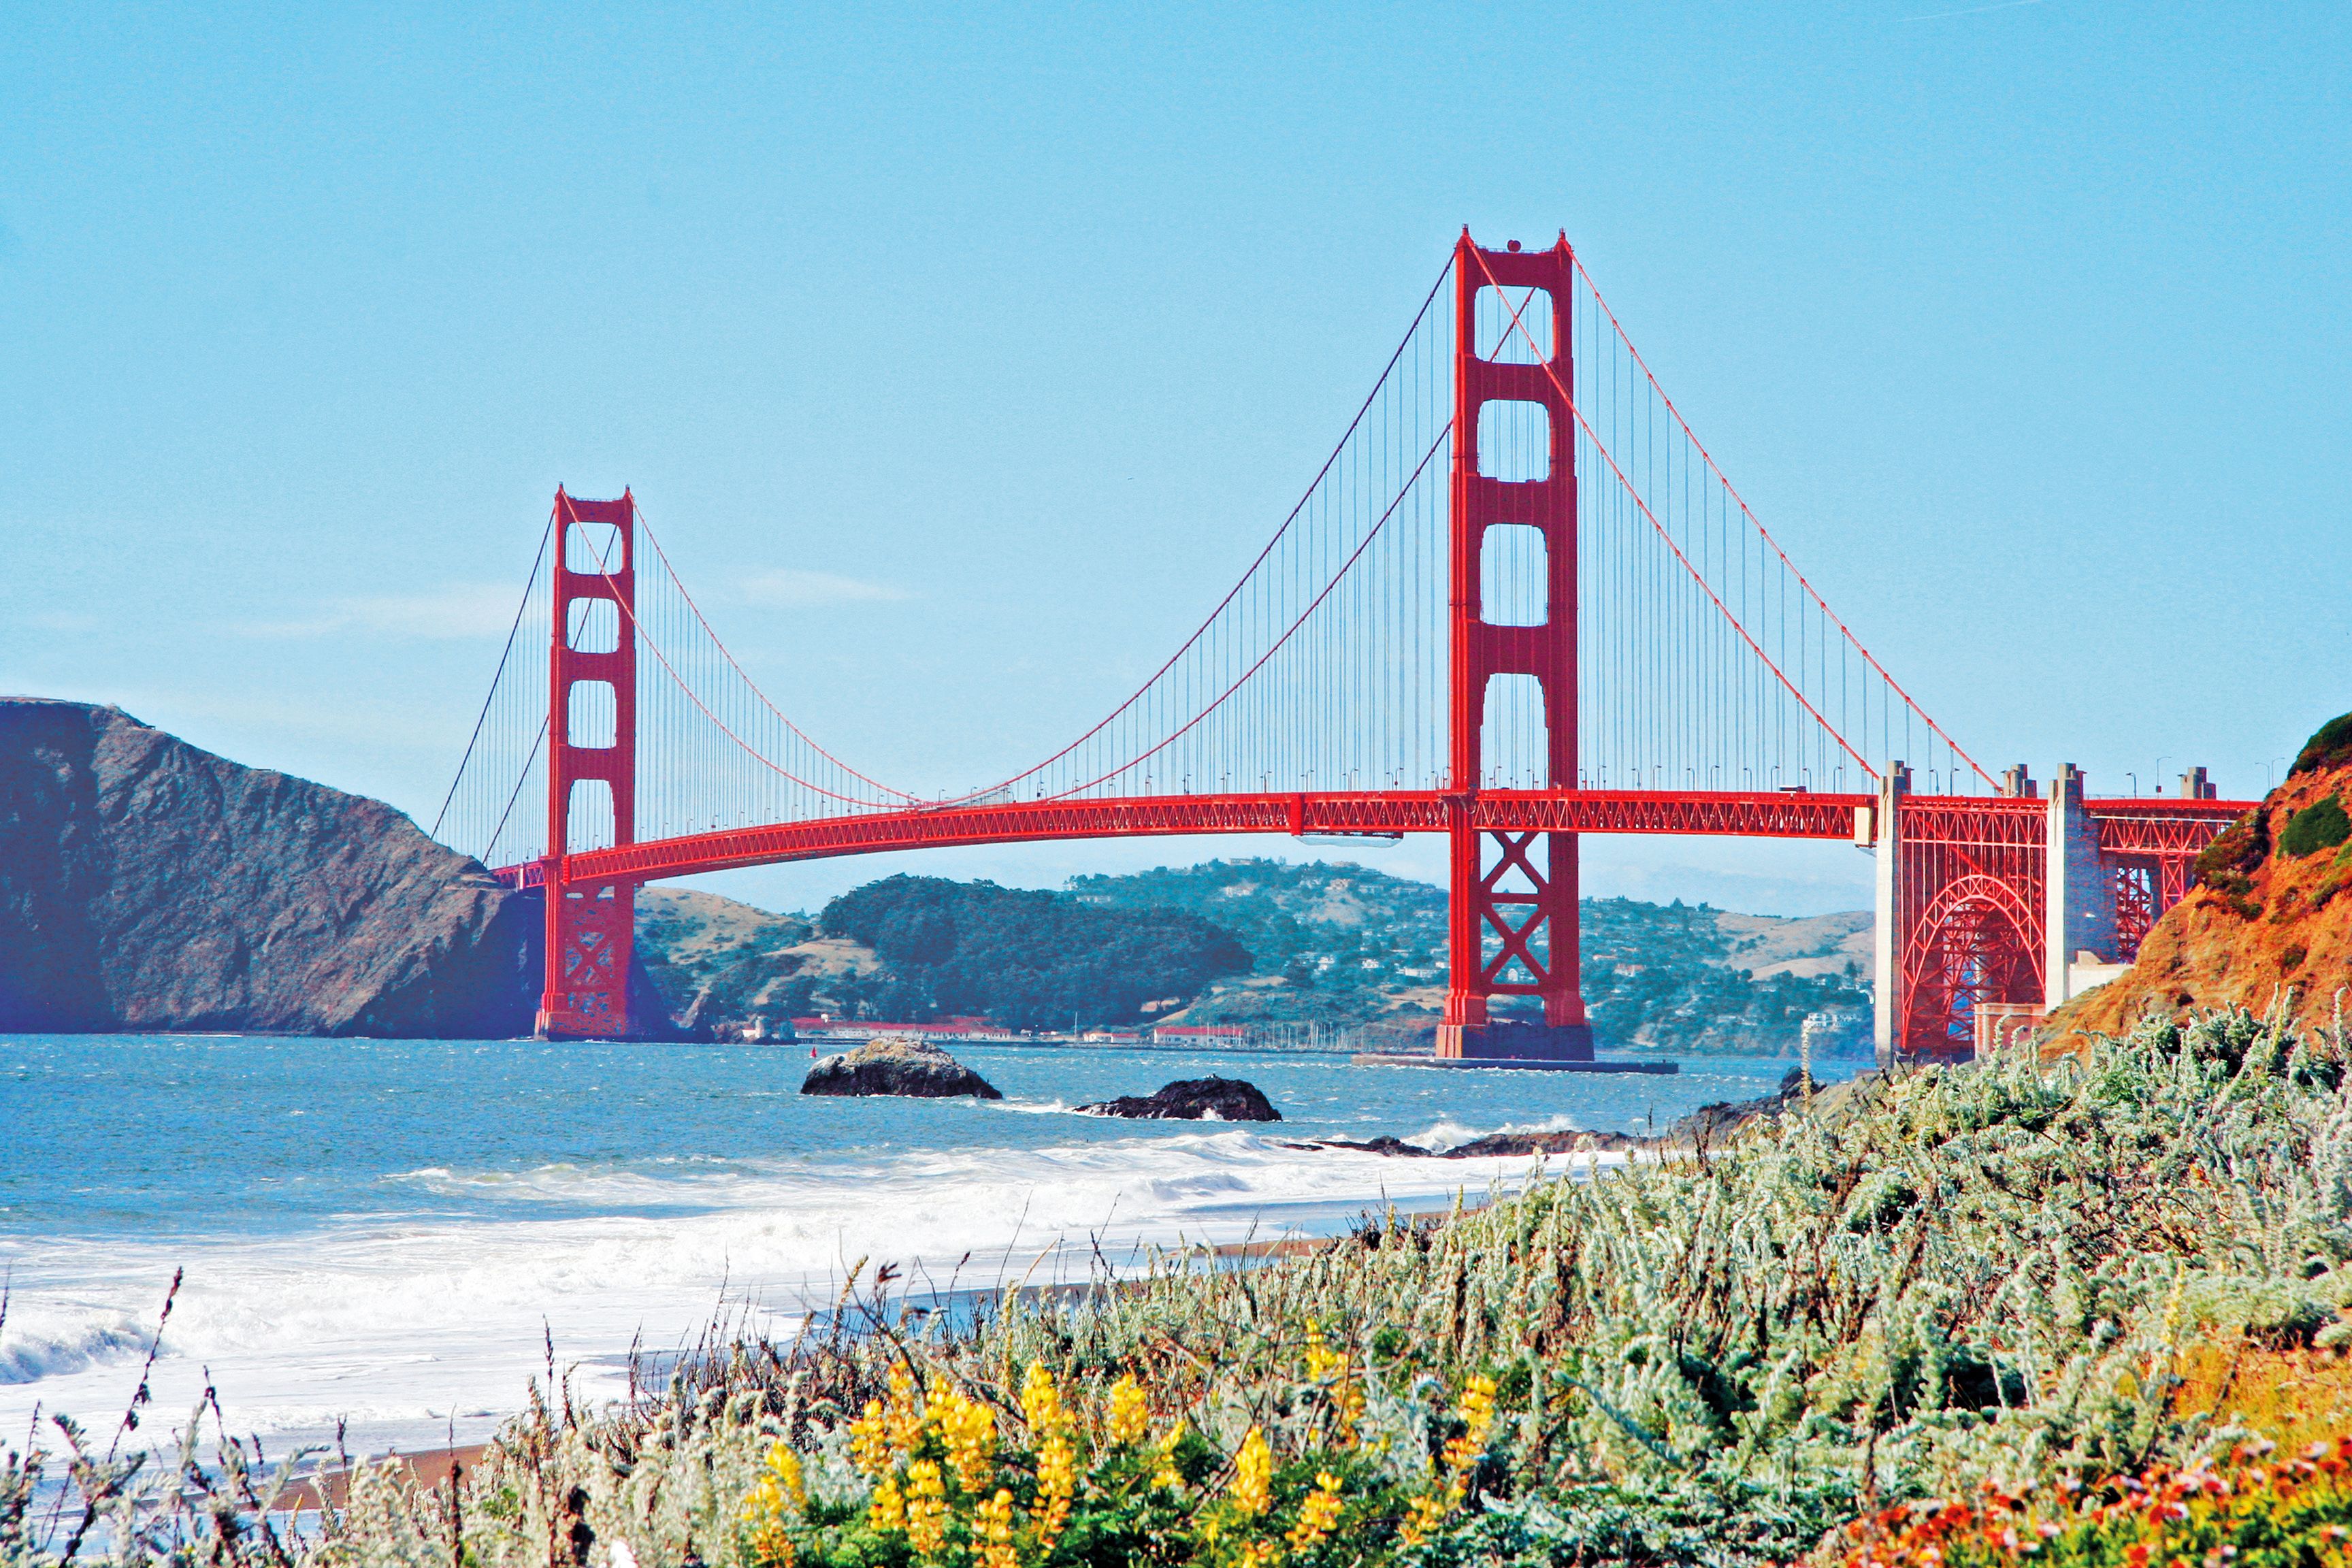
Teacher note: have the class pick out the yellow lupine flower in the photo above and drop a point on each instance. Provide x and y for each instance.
(1318, 1514)
(1322, 1362)
(993, 1524)
(1420, 1520)
(903, 1421)
(1041, 1401)
(888, 1511)
(1130, 1417)
(784, 1465)
(1058, 1483)
(869, 1445)
(1166, 1475)
(1476, 1409)
(1252, 1487)
(968, 1432)
(1348, 1403)
(927, 1508)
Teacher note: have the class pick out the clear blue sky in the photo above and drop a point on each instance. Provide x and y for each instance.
(963, 356)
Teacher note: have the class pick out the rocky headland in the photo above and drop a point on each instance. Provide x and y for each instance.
(148, 884)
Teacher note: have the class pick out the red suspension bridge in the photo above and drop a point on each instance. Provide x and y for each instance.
(1517, 603)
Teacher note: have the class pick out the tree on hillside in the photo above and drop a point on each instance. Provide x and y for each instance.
(1028, 960)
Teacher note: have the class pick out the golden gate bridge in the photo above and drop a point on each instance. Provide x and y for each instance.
(1518, 602)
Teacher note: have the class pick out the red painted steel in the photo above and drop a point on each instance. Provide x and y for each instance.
(590, 920)
(1767, 815)
(1499, 885)
(1971, 888)
(1966, 820)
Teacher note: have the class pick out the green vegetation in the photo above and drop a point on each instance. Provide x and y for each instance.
(2320, 825)
(2228, 864)
(1335, 944)
(1668, 976)
(1028, 960)
(2329, 746)
(2017, 1277)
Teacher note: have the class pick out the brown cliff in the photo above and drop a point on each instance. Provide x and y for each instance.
(2271, 913)
(148, 885)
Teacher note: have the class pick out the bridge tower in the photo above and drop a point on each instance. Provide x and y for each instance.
(592, 764)
(1520, 887)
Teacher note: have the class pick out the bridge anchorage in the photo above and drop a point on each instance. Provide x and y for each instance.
(1517, 603)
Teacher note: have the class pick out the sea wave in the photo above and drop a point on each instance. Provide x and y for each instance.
(82, 1341)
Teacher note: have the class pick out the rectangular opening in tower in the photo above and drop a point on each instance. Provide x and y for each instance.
(1514, 741)
(593, 625)
(1500, 340)
(588, 817)
(1513, 440)
(593, 547)
(1513, 581)
(591, 718)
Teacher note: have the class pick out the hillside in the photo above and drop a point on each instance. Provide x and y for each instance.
(2268, 917)
(148, 885)
(1028, 960)
(1322, 943)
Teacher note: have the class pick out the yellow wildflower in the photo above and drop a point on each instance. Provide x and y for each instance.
(776, 1495)
(784, 1467)
(1348, 1404)
(1260, 1555)
(1166, 1475)
(1058, 1483)
(1420, 1520)
(888, 1509)
(1129, 1416)
(1041, 1401)
(968, 1432)
(1477, 1408)
(1323, 1363)
(993, 1524)
(1252, 1487)
(927, 1508)
(869, 1447)
(1477, 1412)
(903, 1421)
(771, 1547)
(1318, 1514)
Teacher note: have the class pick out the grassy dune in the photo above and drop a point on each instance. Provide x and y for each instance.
(2018, 1276)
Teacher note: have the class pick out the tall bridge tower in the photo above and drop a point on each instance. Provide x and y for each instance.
(1514, 468)
(592, 764)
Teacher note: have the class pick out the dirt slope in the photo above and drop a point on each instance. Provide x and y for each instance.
(2271, 914)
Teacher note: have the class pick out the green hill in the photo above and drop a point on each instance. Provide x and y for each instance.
(1248, 942)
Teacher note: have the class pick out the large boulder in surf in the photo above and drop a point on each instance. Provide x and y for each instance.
(897, 1064)
(1193, 1100)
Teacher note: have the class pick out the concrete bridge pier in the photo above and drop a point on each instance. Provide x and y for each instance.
(2081, 943)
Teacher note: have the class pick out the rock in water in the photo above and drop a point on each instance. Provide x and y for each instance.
(896, 1063)
(1193, 1100)
(147, 885)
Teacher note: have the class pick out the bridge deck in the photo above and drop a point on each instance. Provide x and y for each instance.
(1766, 814)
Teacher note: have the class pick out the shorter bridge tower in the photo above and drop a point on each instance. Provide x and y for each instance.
(1517, 888)
(592, 764)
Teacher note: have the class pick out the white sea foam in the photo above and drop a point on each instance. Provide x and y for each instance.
(418, 1329)
(62, 1342)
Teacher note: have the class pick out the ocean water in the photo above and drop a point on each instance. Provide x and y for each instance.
(389, 1234)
